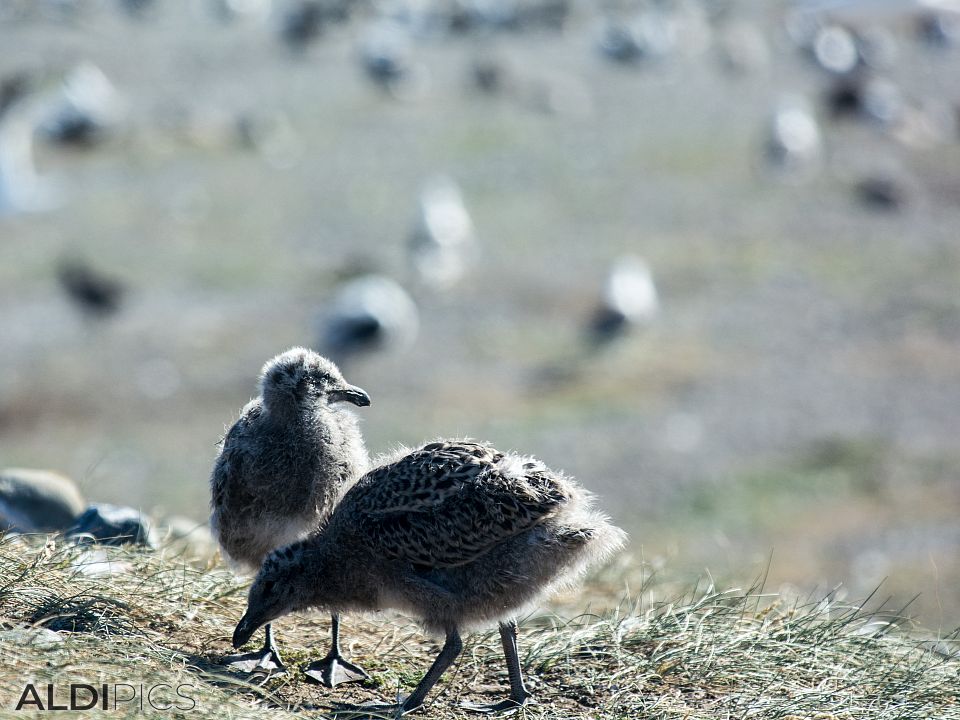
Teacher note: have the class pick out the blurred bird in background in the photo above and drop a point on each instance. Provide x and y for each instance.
(22, 188)
(93, 292)
(793, 147)
(368, 314)
(302, 24)
(386, 56)
(629, 302)
(442, 241)
(86, 110)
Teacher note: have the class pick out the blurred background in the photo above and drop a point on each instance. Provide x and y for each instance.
(703, 255)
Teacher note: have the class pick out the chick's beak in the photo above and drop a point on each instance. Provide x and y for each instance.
(245, 629)
(350, 394)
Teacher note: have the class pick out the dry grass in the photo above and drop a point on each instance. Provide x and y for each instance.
(661, 654)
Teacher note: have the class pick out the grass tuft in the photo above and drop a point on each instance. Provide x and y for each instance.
(150, 618)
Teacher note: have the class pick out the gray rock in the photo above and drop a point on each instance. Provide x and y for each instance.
(26, 636)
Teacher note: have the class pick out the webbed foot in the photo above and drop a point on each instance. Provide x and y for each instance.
(265, 660)
(334, 670)
(508, 705)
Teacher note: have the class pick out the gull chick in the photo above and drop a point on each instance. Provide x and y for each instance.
(456, 534)
(281, 469)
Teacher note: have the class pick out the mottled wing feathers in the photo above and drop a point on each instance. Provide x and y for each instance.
(425, 477)
(448, 503)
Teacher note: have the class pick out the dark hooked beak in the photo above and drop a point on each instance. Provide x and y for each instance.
(350, 394)
(245, 629)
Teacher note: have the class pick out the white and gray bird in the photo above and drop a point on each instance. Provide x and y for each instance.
(253, 11)
(38, 501)
(86, 110)
(629, 301)
(455, 533)
(442, 241)
(302, 24)
(280, 471)
(793, 146)
(386, 54)
(22, 188)
(367, 314)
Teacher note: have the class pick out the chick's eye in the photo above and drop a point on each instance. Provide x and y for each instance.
(268, 587)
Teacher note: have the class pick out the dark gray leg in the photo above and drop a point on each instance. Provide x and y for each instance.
(451, 649)
(508, 637)
(334, 669)
(518, 692)
(267, 659)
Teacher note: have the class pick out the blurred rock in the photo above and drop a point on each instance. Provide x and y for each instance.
(629, 301)
(112, 525)
(31, 636)
(442, 240)
(369, 314)
(38, 501)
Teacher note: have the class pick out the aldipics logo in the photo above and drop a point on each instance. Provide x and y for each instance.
(112, 696)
